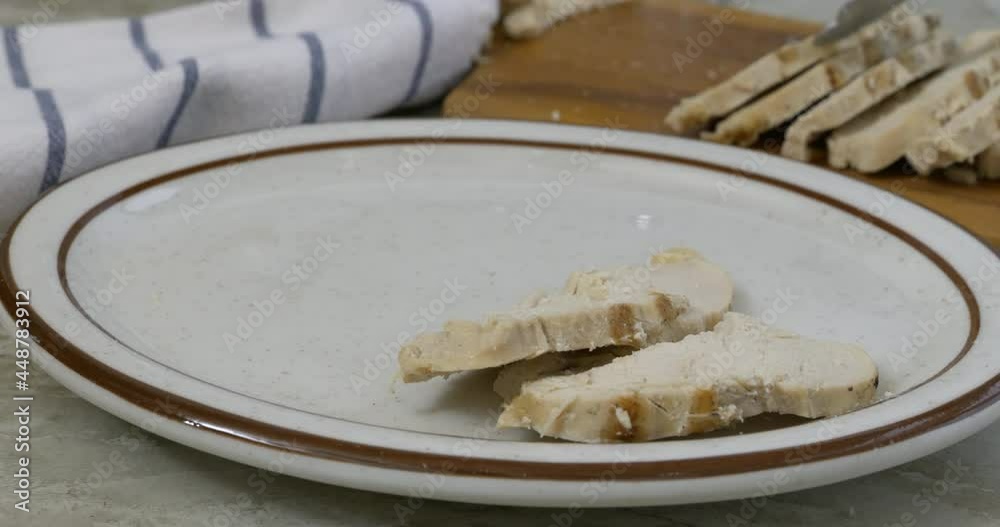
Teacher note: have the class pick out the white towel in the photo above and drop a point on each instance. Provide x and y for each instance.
(77, 96)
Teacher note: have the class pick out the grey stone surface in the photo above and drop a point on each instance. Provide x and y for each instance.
(158, 482)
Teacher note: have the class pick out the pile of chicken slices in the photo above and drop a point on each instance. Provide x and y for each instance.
(638, 353)
(899, 88)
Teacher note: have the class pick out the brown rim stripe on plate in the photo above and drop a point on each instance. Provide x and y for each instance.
(193, 413)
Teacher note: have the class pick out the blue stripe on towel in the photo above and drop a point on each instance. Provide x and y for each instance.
(190, 82)
(317, 61)
(55, 128)
(137, 31)
(258, 17)
(57, 138)
(15, 58)
(317, 77)
(426, 38)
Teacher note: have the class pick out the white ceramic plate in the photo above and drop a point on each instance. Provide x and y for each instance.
(245, 296)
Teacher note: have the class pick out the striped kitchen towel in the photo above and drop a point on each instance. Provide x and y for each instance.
(77, 96)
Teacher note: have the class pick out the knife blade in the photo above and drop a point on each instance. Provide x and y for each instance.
(854, 15)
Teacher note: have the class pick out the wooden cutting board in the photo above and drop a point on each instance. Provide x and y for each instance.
(632, 63)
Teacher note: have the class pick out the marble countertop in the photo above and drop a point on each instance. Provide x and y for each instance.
(161, 483)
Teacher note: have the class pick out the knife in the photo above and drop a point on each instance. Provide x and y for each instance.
(853, 16)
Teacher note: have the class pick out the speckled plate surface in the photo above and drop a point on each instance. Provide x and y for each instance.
(246, 296)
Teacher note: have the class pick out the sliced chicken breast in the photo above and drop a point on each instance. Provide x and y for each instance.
(985, 168)
(981, 41)
(746, 125)
(677, 294)
(966, 135)
(707, 381)
(864, 92)
(879, 137)
(694, 113)
(988, 163)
